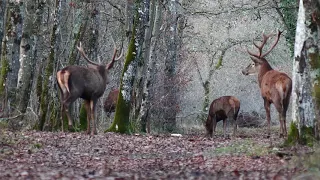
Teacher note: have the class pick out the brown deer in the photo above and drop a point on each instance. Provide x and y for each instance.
(275, 86)
(111, 101)
(223, 108)
(88, 83)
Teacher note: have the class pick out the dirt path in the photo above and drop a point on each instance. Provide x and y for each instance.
(47, 155)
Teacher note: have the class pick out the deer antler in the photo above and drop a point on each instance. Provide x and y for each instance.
(85, 56)
(264, 41)
(110, 65)
(274, 44)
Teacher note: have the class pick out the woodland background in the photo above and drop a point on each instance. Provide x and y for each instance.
(187, 53)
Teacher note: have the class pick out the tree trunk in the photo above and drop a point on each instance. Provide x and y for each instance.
(306, 88)
(170, 89)
(121, 120)
(150, 56)
(28, 51)
(45, 96)
(10, 56)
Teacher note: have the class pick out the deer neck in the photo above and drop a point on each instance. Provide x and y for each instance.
(265, 67)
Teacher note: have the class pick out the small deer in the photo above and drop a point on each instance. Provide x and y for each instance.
(223, 108)
(275, 86)
(88, 83)
(111, 101)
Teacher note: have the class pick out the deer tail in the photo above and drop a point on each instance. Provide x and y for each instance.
(63, 78)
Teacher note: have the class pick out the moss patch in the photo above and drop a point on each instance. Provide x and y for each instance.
(243, 147)
(293, 135)
(305, 138)
(219, 64)
(83, 118)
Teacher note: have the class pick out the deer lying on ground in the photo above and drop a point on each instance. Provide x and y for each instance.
(111, 101)
(275, 86)
(223, 108)
(88, 83)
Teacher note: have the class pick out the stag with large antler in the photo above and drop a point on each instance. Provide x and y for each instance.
(88, 83)
(275, 86)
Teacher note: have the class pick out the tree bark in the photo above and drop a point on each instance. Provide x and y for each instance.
(151, 39)
(121, 122)
(306, 66)
(28, 52)
(45, 96)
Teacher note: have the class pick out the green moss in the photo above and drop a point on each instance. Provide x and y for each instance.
(242, 147)
(219, 64)
(44, 99)
(293, 135)
(37, 145)
(4, 73)
(83, 118)
(305, 138)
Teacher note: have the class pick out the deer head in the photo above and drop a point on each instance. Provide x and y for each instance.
(259, 60)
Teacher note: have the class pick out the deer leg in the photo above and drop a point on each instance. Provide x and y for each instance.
(281, 125)
(66, 105)
(284, 124)
(69, 118)
(224, 127)
(214, 125)
(280, 109)
(94, 130)
(267, 107)
(61, 116)
(87, 107)
(234, 127)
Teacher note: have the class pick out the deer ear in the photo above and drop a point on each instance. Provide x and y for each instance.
(255, 60)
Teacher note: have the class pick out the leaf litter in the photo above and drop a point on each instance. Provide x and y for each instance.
(58, 155)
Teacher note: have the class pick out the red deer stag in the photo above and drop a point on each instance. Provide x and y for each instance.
(88, 83)
(111, 101)
(223, 108)
(275, 86)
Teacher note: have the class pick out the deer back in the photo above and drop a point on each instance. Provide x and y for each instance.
(227, 104)
(87, 83)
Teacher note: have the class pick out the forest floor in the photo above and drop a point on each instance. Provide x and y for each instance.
(57, 155)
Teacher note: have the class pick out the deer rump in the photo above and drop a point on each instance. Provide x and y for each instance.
(223, 108)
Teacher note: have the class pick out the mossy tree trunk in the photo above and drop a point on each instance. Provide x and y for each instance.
(28, 51)
(306, 77)
(9, 56)
(45, 95)
(121, 121)
(143, 37)
(2, 20)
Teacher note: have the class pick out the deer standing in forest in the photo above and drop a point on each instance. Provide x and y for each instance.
(111, 101)
(88, 83)
(223, 108)
(275, 86)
